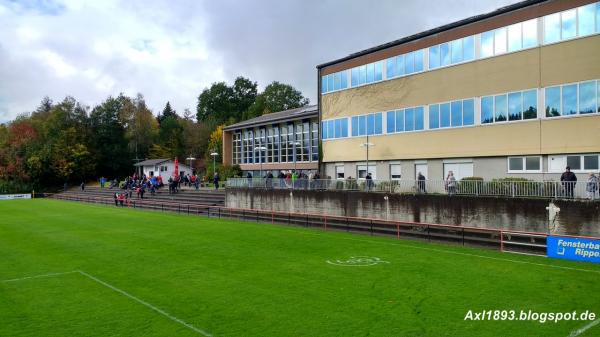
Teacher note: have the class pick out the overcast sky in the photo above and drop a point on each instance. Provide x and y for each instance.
(171, 50)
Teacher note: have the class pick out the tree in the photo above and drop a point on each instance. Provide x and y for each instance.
(244, 95)
(280, 97)
(109, 142)
(215, 103)
(215, 142)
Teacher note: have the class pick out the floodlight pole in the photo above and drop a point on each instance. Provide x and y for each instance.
(190, 158)
(214, 155)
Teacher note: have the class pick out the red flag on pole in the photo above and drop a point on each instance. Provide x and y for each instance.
(176, 174)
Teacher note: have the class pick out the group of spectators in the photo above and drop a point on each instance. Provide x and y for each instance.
(289, 179)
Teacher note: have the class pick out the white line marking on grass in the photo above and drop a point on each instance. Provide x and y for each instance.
(457, 253)
(583, 329)
(40, 276)
(148, 305)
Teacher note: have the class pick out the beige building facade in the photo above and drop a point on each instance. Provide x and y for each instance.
(512, 93)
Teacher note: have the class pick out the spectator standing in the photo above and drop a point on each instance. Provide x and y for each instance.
(421, 183)
(568, 180)
(369, 181)
(592, 186)
(451, 183)
(249, 177)
(216, 180)
(82, 186)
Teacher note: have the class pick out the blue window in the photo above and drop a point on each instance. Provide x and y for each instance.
(552, 28)
(468, 48)
(330, 129)
(378, 123)
(323, 84)
(487, 44)
(419, 118)
(354, 126)
(515, 108)
(530, 104)
(362, 74)
(445, 54)
(445, 115)
(362, 125)
(434, 57)
(337, 81)
(552, 97)
(344, 127)
(391, 121)
(370, 72)
(456, 113)
(409, 119)
(399, 120)
(378, 71)
(330, 82)
(456, 51)
(354, 76)
(338, 128)
(569, 26)
(370, 124)
(500, 108)
(324, 132)
(586, 19)
(598, 19)
(419, 60)
(569, 99)
(487, 110)
(344, 79)
(587, 97)
(434, 116)
(530, 38)
(391, 67)
(468, 112)
(400, 65)
(409, 63)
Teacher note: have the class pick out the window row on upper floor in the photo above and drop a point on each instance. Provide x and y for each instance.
(561, 100)
(565, 25)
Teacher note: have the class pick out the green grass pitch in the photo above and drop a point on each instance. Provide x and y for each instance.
(70, 269)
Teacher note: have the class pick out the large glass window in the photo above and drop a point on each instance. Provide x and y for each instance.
(500, 108)
(378, 123)
(456, 113)
(590, 162)
(418, 60)
(468, 112)
(445, 54)
(552, 96)
(362, 74)
(569, 26)
(276, 141)
(587, 97)
(362, 125)
(487, 110)
(354, 77)
(399, 120)
(434, 57)
(354, 126)
(456, 50)
(409, 63)
(586, 19)
(400, 65)
(330, 84)
(487, 44)
(314, 140)
(530, 104)
(390, 67)
(434, 116)
(552, 28)
(333, 128)
(530, 33)
(370, 72)
(391, 121)
(367, 73)
(500, 41)
(378, 71)
(419, 118)
(524, 164)
(515, 107)
(569, 99)
(445, 115)
(468, 48)
(514, 37)
(409, 119)
(370, 124)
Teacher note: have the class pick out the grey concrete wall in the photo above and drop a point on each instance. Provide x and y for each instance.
(575, 217)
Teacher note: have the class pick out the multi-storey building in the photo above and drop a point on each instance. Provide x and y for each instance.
(511, 93)
(279, 141)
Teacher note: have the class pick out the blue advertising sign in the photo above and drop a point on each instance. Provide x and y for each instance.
(577, 249)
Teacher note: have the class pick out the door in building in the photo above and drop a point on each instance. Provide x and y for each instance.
(460, 170)
(421, 168)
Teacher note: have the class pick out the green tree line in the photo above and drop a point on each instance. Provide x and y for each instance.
(69, 142)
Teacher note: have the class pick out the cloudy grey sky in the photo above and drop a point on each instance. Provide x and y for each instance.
(171, 50)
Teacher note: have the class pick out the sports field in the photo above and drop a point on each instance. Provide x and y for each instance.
(70, 269)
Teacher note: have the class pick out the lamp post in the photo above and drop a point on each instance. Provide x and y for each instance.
(190, 158)
(295, 144)
(367, 145)
(214, 155)
(260, 158)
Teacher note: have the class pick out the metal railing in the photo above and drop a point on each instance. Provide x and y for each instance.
(500, 239)
(499, 188)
